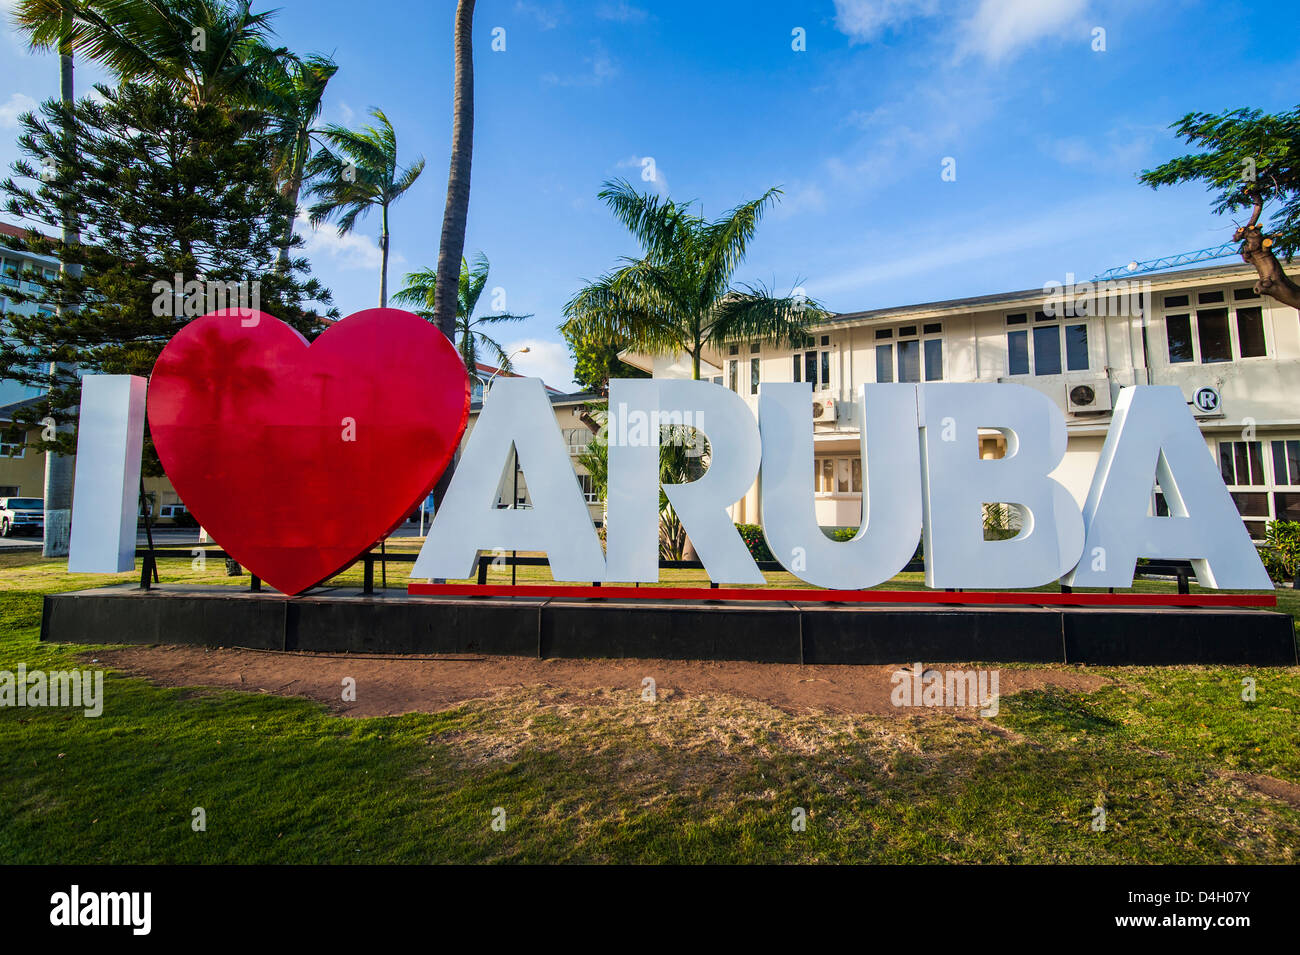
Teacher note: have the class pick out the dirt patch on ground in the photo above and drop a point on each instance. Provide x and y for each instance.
(391, 685)
(1270, 786)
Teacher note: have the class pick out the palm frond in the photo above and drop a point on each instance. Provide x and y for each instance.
(755, 314)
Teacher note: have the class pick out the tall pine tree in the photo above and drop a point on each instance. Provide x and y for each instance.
(179, 212)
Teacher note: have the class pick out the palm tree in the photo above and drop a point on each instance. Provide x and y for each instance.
(214, 52)
(678, 297)
(54, 23)
(293, 94)
(451, 248)
(355, 172)
(421, 291)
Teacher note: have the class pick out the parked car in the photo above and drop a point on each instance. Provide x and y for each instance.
(22, 515)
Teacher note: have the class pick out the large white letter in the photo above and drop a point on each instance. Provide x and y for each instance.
(1153, 436)
(106, 492)
(891, 502)
(637, 408)
(515, 410)
(957, 483)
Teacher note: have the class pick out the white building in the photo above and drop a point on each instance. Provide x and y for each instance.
(17, 271)
(1198, 329)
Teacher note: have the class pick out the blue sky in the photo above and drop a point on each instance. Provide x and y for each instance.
(1046, 133)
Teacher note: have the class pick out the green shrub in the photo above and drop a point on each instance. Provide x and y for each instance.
(753, 535)
(1280, 551)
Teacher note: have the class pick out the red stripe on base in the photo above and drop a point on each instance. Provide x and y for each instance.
(810, 595)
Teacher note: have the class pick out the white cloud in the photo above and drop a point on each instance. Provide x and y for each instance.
(350, 252)
(547, 360)
(999, 28)
(600, 67)
(1118, 151)
(622, 12)
(547, 15)
(800, 197)
(347, 112)
(994, 29)
(997, 241)
(13, 107)
(642, 166)
(864, 20)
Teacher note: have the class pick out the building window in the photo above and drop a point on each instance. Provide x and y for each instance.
(1178, 329)
(577, 439)
(1241, 462)
(1255, 483)
(8, 490)
(588, 489)
(10, 270)
(909, 360)
(816, 370)
(1250, 332)
(919, 354)
(884, 363)
(1210, 335)
(10, 449)
(753, 376)
(732, 375)
(1286, 462)
(839, 475)
(1242, 466)
(1018, 352)
(1054, 347)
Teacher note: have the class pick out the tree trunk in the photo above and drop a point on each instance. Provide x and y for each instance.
(291, 193)
(695, 463)
(452, 245)
(59, 468)
(456, 211)
(1257, 250)
(383, 261)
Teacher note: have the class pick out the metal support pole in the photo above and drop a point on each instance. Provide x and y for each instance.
(148, 533)
(514, 502)
(368, 575)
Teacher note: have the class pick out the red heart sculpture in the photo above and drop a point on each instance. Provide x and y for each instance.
(296, 458)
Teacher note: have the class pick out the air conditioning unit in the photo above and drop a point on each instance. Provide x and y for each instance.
(1087, 396)
(824, 410)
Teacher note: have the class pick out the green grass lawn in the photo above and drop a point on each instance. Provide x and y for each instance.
(1173, 754)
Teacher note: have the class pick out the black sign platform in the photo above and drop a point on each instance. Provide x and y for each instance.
(345, 621)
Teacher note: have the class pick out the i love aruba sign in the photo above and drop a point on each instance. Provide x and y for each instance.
(298, 457)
